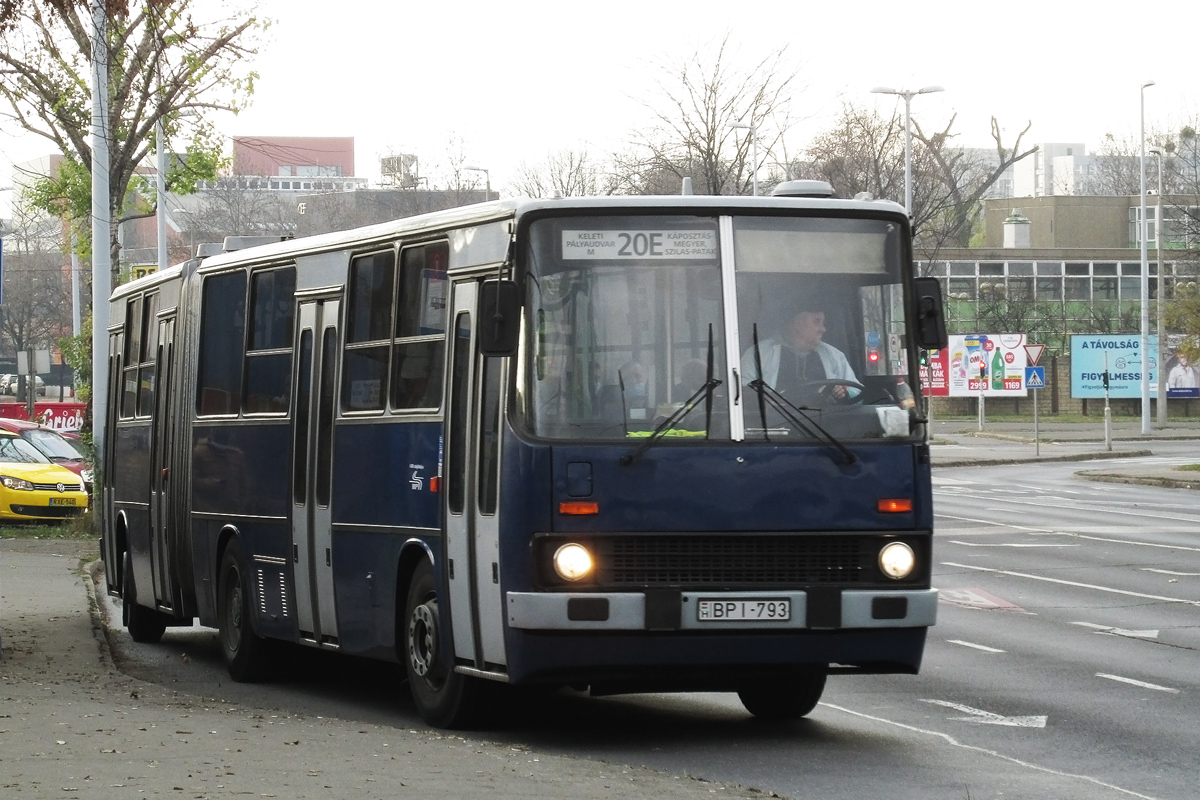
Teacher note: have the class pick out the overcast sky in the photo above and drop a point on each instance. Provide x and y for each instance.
(512, 81)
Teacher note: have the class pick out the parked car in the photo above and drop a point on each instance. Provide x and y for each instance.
(53, 445)
(34, 488)
(9, 384)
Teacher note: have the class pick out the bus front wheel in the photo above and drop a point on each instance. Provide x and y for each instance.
(444, 698)
(786, 698)
(245, 651)
(145, 625)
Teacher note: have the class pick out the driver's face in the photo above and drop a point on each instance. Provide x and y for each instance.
(807, 328)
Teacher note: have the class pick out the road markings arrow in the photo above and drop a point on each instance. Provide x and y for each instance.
(1110, 631)
(988, 718)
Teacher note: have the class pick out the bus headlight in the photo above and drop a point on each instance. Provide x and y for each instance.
(572, 562)
(897, 560)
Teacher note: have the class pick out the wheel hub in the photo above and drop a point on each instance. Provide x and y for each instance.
(422, 638)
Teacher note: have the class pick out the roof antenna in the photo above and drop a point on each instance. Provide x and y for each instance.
(687, 185)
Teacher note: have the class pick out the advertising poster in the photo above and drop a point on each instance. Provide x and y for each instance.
(1124, 354)
(1183, 379)
(993, 362)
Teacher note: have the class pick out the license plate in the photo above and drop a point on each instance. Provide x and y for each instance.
(737, 609)
(62, 501)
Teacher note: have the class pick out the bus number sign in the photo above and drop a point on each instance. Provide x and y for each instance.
(641, 244)
(737, 609)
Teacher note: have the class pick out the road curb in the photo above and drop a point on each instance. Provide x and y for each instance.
(1012, 437)
(1143, 480)
(92, 574)
(989, 462)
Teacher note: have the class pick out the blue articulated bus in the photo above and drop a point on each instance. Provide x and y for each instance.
(630, 444)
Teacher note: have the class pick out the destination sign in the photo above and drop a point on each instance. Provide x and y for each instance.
(639, 244)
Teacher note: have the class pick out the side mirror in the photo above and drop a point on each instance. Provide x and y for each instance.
(929, 314)
(499, 318)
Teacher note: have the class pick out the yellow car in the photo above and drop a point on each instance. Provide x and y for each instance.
(34, 488)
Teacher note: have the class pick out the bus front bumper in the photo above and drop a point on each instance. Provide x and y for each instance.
(666, 610)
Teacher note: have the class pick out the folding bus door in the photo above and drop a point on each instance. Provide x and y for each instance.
(163, 551)
(313, 410)
(472, 463)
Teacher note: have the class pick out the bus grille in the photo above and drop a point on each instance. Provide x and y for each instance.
(733, 560)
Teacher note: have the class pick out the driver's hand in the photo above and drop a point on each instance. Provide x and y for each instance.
(839, 392)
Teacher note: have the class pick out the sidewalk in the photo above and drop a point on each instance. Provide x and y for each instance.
(959, 443)
(71, 725)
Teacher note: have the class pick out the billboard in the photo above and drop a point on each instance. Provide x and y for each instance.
(991, 362)
(1124, 358)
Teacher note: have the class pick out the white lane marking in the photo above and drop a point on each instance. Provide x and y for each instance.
(1112, 508)
(988, 718)
(1010, 759)
(1008, 544)
(1111, 631)
(1052, 532)
(940, 481)
(1171, 572)
(1142, 684)
(1075, 583)
(982, 647)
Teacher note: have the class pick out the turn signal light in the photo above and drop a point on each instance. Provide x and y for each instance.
(895, 506)
(578, 507)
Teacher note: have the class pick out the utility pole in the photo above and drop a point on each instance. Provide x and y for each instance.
(101, 226)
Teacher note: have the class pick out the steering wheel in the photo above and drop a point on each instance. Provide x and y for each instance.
(824, 390)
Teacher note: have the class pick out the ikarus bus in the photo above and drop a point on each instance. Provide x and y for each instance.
(627, 443)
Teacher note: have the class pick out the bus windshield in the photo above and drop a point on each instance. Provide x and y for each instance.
(625, 315)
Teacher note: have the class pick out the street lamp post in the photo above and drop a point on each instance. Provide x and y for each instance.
(1159, 229)
(1145, 342)
(487, 177)
(908, 95)
(749, 126)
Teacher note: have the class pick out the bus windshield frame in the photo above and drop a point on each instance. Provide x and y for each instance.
(629, 317)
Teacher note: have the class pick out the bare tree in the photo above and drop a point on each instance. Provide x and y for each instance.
(563, 173)
(37, 282)
(864, 152)
(698, 103)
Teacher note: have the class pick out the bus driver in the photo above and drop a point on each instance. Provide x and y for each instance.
(793, 361)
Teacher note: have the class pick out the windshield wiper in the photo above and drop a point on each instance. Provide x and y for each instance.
(768, 394)
(706, 391)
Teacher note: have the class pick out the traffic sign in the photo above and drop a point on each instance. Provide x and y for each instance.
(1034, 352)
(1035, 377)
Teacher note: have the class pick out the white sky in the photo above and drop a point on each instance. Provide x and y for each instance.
(515, 80)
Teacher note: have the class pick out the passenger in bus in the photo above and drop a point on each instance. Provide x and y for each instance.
(793, 361)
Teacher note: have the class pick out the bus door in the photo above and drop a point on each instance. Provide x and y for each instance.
(162, 551)
(313, 407)
(472, 465)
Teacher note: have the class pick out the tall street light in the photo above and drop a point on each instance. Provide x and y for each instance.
(908, 95)
(1145, 271)
(487, 176)
(749, 126)
(1159, 229)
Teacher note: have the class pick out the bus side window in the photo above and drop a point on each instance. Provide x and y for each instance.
(149, 349)
(131, 357)
(368, 331)
(269, 356)
(222, 344)
(420, 344)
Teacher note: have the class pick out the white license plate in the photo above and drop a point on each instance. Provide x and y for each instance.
(740, 609)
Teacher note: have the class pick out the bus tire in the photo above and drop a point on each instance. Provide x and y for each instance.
(145, 625)
(245, 652)
(787, 698)
(444, 698)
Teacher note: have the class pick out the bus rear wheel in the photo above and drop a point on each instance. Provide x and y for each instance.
(444, 698)
(245, 652)
(786, 698)
(145, 625)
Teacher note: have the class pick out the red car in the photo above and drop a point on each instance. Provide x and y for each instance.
(52, 444)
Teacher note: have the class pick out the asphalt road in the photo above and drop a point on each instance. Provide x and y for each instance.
(1064, 664)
